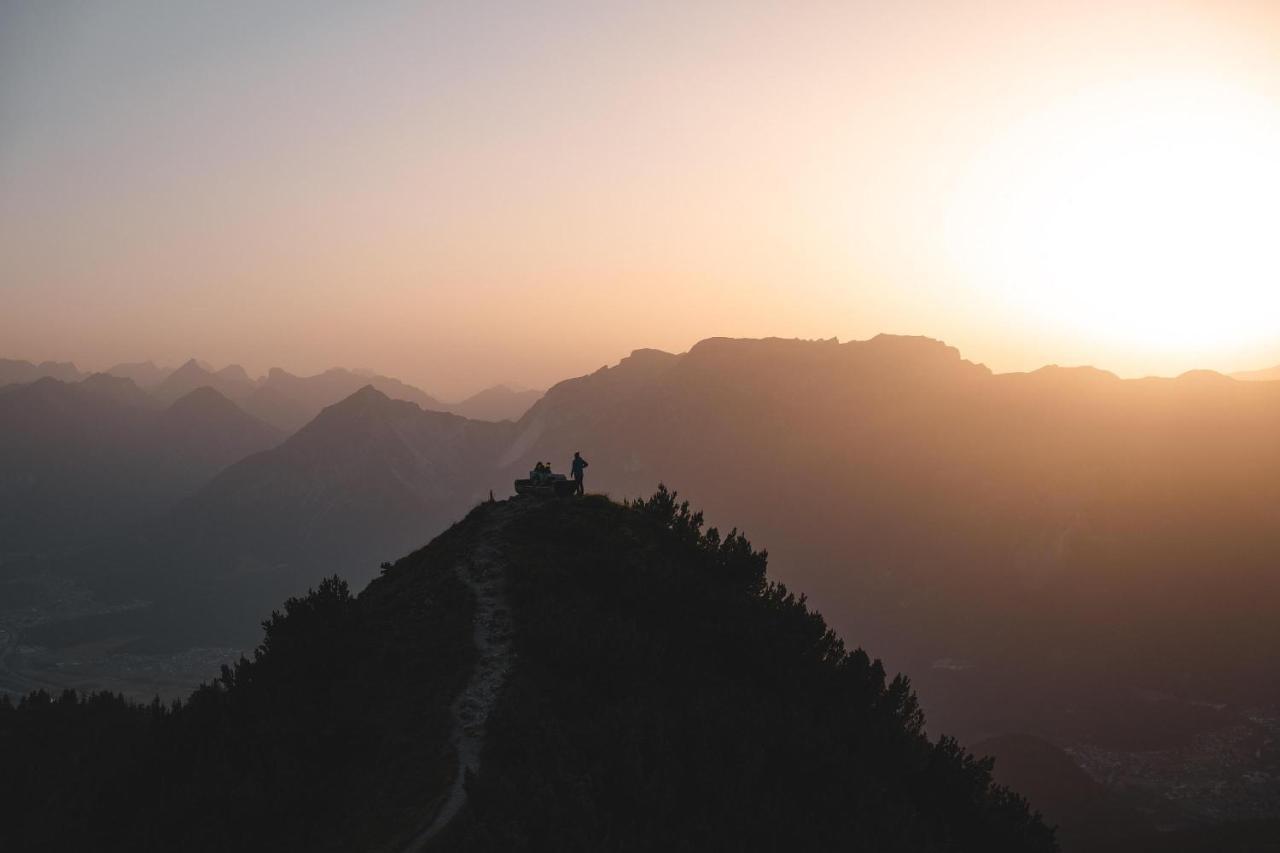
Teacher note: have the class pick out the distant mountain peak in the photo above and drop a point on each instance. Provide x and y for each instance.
(645, 362)
(106, 380)
(289, 402)
(234, 372)
(145, 374)
(232, 382)
(366, 401)
(117, 388)
(1083, 374)
(1204, 375)
(46, 383)
(367, 394)
(496, 403)
(210, 408)
(190, 369)
(648, 355)
(201, 398)
(1270, 374)
(912, 347)
(13, 371)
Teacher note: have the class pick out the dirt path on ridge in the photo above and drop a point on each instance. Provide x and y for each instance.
(482, 569)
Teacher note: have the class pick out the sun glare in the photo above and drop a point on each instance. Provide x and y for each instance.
(1147, 214)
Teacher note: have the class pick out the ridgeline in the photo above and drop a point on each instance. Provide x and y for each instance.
(545, 675)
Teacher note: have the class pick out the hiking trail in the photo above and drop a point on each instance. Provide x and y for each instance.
(482, 570)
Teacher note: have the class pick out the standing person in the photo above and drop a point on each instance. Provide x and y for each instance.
(579, 465)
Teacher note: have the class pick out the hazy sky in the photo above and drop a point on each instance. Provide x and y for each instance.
(464, 193)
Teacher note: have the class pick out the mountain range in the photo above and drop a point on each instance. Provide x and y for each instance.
(932, 504)
(387, 468)
(922, 481)
(499, 403)
(279, 398)
(1269, 375)
(562, 675)
(13, 371)
(82, 459)
(928, 500)
(1062, 553)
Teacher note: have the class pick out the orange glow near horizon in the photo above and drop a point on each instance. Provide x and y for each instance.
(465, 194)
(1143, 214)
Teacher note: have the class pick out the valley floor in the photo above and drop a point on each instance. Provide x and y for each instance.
(92, 662)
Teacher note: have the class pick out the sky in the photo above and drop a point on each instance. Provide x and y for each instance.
(459, 194)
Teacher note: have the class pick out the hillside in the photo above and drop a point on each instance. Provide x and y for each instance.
(145, 374)
(1087, 816)
(84, 459)
(922, 500)
(289, 402)
(657, 693)
(499, 403)
(930, 505)
(1271, 374)
(367, 479)
(976, 529)
(231, 382)
(16, 371)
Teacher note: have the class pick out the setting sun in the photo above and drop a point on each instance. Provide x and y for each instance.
(1146, 213)
(378, 380)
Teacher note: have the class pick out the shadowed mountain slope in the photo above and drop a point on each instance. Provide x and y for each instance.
(82, 459)
(362, 482)
(1088, 817)
(922, 501)
(207, 432)
(933, 505)
(499, 403)
(14, 371)
(661, 695)
(145, 374)
(1271, 374)
(231, 382)
(1088, 559)
(288, 402)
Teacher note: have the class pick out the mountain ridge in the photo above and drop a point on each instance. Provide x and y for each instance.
(1270, 374)
(17, 371)
(336, 734)
(496, 403)
(90, 458)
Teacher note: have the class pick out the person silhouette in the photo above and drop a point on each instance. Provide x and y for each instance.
(578, 467)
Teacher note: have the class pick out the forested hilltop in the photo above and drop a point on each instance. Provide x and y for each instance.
(657, 692)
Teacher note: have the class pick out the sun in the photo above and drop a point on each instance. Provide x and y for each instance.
(1146, 215)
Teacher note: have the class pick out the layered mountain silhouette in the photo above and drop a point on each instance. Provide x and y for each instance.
(1063, 553)
(363, 481)
(205, 432)
(933, 505)
(145, 374)
(281, 399)
(288, 401)
(14, 371)
(1269, 375)
(547, 675)
(972, 526)
(79, 460)
(499, 403)
(231, 382)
